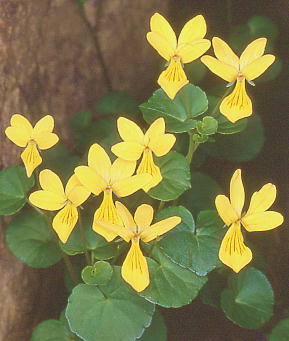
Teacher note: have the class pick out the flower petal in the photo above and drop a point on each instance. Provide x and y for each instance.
(160, 44)
(49, 181)
(143, 217)
(129, 151)
(262, 221)
(125, 216)
(20, 121)
(262, 199)
(64, 222)
(135, 269)
(194, 29)
(161, 26)
(18, 135)
(46, 123)
(47, 200)
(90, 179)
(237, 193)
(258, 66)
(122, 169)
(46, 140)
(161, 145)
(75, 191)
(221, 69)
(225, 210)
(125, 187)
(156, 128)
(31, 158)
(159, 228)
(99, 161)
(253, 51)
(224, 53)
(238, 104)
(147, 166)
(129, 131)
(194, 50)
(233, 252)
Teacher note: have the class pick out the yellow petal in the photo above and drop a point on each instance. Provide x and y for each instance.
(160, 44)
(108, 213)
(224, 53)
(262, 221)
(90, 179)
(143, 217)
(262, 199)
(20, 121)
(225, 210)
(258, 66)
(75, 192)
(156, 128)
(147, 166)
(233, 252)
(221, 69)
(173, 78)
(194, 29)
(159, 228)
(128, 186)
(238, 104)
(47, 200)
(161, 145)
(130, 151)
(122, 169)
(64, 222)
(46, 123)
(135, 269)
(49, 181)
(46, 140)
(99, 161)
(129, 131)
(125, 216)
(31, 158)
(194, 50)
(18, 135)
(114, 229)
(161, 26)
(237, 193)
(253, 51)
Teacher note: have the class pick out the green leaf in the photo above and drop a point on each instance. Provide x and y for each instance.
(249, 300)
(281, 331)
(31, 240)
(52, 330)
(195, 249)
(208, 126)
(176, 177)
(80, 120)
(113, 312)
(117, 102)
(14, 186)
(240, 147)
(157, 331)
(200, 138)
(189, 103)
(97, 274)
(171, 285)
(195, 71)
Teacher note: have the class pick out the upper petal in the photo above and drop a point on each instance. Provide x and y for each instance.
(161, 145)
(90, 179)
(20, 121)
(225, 210)
(143, 216)
(129, 131)
(262, 199)
(161, 26)
(258, 66)
(221, 69)
(159, 228)
(253, 51)
(262, 221)
(194, 29)
(99, 161)
(125, 216)
(224, 53)
(128, 186)
(122, 169)
(160, 44)
(130, 151)
(193, 50)
(46, 123)
(64, 222)
(155, 129)
(47, 200)
(237, 193)
(49, 181)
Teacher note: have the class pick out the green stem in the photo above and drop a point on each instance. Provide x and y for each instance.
(83, 238)
(192, 148)
(161, 205)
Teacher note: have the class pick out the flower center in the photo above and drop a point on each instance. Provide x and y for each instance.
(240, 76)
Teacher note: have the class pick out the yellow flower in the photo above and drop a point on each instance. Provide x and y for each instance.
(135, 269)
(23, 134)
(53, 197)
(189, 46)
(137, 143)
(233, 252)
(102, 176)
(228, 66)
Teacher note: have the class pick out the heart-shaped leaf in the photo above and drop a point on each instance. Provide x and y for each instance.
(97, 274)
(157, 331)
(281, 331)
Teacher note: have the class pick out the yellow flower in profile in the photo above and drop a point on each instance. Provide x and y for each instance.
(32, 139)
(136, 143)
(189, 46)
(135, 269)
(102, 176)
(233, 252)
(53, 197)
(228, 66)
